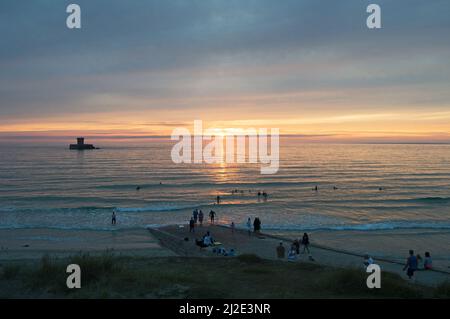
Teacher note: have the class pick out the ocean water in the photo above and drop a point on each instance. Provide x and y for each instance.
(48, 186)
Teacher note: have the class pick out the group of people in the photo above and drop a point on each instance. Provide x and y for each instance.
(256, 225)
(294, 250)
(416, 262)
(197, 216)
(413, 263)
(206, 241)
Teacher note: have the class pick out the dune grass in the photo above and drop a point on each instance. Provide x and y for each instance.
(246, 276)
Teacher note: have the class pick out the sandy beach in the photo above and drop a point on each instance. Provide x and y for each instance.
(34, 243)
(328, 248)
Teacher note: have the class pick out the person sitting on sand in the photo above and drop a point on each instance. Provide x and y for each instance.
(411, 264)
(367, 260)
(207, 239)
(192, 225)
(292, 256)
(420, 265)
(281, 251)
(113, 218)
(428, 262)
(305, 243)
(200, 218)
(212, 215)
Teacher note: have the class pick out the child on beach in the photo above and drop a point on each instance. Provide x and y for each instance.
(367, 260)
(411, 264)
(292, 256)
(428, 262)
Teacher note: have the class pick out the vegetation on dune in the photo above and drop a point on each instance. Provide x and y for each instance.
(246, 276)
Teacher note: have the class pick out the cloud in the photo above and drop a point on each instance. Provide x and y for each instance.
(197, 57)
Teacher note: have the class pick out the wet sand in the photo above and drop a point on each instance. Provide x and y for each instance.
(33, 243)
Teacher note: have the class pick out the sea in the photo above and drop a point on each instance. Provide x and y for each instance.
(361, 187)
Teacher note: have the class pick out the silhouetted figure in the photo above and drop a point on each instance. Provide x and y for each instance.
(257, 225)
(200, 218)
(212, 216)
(113, 218)
(218, 199)
(411, 264)
(195, 215)
(281, 251)
(305, 243)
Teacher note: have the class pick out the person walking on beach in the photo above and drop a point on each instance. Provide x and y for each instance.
(281, 251)
(249, 226)
(305, 243)
(212, 216)
(192, 225)
(200, 218)
(195, 215)
(257, 225)
(411, 265)
(113, 218)
(233, 226)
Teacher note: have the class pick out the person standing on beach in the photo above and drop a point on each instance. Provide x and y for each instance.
(195, 215)
(113, 218)
(233, 227)
(411, 265)
(218, 200)
(297, 246)
(305, 243)
(212, 215)
(200, 218)
(249, 226)
(192, 225)
(257, 225)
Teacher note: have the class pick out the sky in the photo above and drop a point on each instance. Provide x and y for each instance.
(311, 68)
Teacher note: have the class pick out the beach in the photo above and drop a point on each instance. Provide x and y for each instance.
(327, 248)
(22, 244)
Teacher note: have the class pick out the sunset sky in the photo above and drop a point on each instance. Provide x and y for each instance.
(310, 68)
